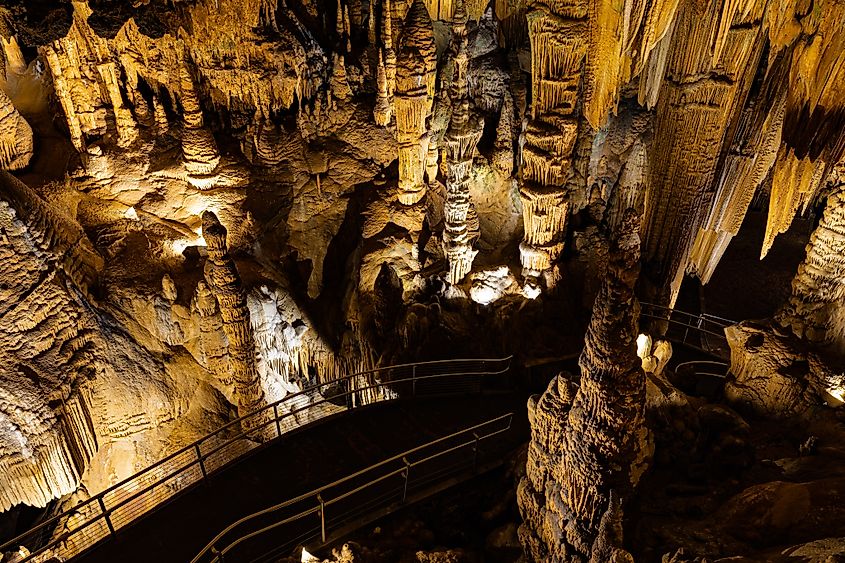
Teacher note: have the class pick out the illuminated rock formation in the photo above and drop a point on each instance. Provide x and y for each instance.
(814, 310)
(460, 141)
(51, 350)
(16, 146)
(415, 73)
(199, 149)
(558, 46)
(383, 110)
(709, 69)
(223, 279)
(587, 447)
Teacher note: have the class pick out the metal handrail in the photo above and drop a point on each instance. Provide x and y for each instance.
(321, 503)
(97, 507)
(709, 363)
(701, 323)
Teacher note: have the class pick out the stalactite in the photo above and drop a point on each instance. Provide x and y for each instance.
(589, 444)
(199, 149)
(794, 185)
(747, 164)
(699, 98)
(383, 109)
(222, 277)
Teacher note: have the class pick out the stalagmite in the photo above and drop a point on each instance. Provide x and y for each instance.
(414, 95)
(213, 344)
(223, 279)
(814, 311)
(588, 443)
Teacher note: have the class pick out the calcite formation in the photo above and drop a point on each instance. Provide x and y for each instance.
(460, 141)
(415, 73)
(225, 284)
(587, 447)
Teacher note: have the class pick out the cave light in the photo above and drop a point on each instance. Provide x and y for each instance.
(643, 345)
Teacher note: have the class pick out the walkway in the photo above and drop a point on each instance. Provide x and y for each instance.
(297, 463)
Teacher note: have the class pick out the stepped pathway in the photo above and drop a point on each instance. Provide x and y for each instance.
(296, 463)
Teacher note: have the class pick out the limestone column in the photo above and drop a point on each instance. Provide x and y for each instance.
(461, 138)
(415, 75)
(558, 47)
(222, 277)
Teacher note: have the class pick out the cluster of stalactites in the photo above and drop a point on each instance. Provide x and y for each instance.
(86, 99)
(460, 140)
(225, 283)
(415, 75)
(783, 135)
(699, 101)
(587, 446)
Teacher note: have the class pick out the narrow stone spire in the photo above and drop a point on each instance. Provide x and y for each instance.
(223, 278)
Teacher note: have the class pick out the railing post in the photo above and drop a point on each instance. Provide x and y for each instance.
(475, 452)
(322, 518)
(276, 417)
(106, 515)
(201, 461)
(407, 477)
(414, 380)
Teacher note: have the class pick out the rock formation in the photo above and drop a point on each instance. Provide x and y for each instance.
(225, 284)
(460, 141)
(587, 449)
(415, 73)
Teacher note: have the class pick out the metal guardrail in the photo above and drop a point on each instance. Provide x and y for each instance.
(710, 368)
(101, 515)
(684, 327)
(387, 483)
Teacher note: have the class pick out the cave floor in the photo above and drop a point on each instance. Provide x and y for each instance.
(300, 462)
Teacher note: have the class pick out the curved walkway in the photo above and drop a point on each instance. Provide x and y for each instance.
(99, 517)
(297, 463)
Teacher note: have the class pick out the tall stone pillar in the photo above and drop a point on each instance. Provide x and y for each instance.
(222, 277)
